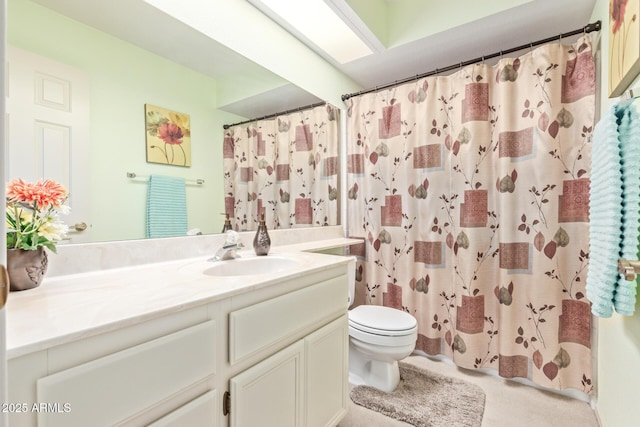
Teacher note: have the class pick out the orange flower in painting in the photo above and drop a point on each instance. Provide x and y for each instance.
(170, 133)
(616, 11)
(41, 194)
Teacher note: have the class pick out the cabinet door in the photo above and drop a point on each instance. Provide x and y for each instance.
(271, 393)
(327, 373)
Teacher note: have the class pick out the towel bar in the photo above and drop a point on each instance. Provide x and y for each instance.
(628, 268)
(133, 175)
(630, 94)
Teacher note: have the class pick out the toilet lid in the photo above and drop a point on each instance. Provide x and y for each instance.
(381, 320)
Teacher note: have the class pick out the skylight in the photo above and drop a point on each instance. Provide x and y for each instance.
(317, 25)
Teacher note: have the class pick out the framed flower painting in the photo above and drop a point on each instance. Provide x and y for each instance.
(168, 136)
(624, 44)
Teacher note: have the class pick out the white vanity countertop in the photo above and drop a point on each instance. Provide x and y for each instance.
(70, 307)
(320, 245)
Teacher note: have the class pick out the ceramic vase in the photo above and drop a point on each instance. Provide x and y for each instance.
(262, 242)
(26, 268)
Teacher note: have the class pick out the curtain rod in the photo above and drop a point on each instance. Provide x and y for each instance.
(595, 26)
(306, 107)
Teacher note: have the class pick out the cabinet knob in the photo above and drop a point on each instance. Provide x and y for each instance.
(80, 226)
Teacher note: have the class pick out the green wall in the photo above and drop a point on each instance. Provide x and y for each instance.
(123, 78)
(411, 20)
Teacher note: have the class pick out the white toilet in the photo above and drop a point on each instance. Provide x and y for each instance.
(378, 337)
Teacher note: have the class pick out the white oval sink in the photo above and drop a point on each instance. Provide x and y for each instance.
(250, 266)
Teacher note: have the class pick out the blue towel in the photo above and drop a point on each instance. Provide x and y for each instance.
(629, 137)
(613, 210)
(605, 215)
(166, 207)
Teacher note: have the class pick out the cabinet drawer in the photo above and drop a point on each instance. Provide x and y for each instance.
(201, 411)
(122, 384)
(285, 318)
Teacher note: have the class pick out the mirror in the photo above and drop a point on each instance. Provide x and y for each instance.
(131, 54)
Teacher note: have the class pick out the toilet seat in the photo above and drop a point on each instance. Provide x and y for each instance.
(380, 320)
(384, 340)
(383, 326)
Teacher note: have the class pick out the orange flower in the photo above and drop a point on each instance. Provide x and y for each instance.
(42, 194)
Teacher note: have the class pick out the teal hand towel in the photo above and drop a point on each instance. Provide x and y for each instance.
(605, 215)
(166, 207)
(629, 137)
(614, 201)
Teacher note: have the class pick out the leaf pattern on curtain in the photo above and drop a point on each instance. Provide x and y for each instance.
(285, 168)
(470, 193)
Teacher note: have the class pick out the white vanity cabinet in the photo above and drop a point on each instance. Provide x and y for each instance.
(302, 339)
(273, 353)
(305, 384)
(156, 371)
(120, 386)
(302, 385)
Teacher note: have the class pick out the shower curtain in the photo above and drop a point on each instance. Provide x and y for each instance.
(470, 192)
(286, 168)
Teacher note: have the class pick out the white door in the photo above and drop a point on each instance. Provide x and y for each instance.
(48, 129)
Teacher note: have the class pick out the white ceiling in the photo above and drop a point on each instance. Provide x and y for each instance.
(520, 25)
(514, 23)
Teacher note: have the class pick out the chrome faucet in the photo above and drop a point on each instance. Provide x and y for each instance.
(227, 251)
(229, 248)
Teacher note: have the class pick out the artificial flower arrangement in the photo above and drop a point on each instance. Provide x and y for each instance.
(33, 214)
